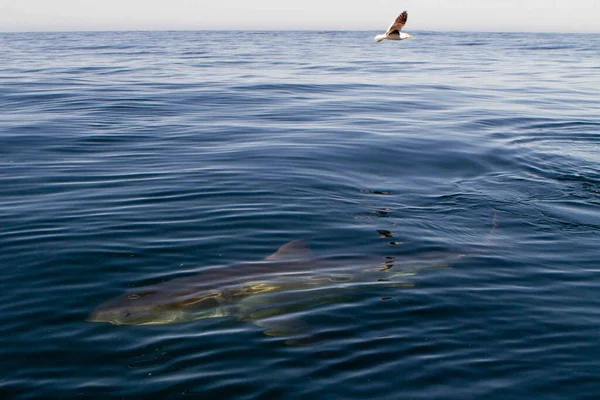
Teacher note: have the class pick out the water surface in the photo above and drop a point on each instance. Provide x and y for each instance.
(131, 158)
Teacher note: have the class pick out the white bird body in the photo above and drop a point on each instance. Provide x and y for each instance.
(394, 31)
(393, 36)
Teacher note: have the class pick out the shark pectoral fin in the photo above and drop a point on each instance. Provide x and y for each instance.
(294, 249)
(293, 329)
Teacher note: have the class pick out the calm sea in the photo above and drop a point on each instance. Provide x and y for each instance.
(131, 158)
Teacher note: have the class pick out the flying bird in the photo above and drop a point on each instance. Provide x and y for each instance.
(393, 32)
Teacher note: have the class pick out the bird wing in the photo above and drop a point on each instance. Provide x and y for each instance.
(398, 23)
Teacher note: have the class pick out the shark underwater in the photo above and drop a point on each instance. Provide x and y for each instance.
(264, 292)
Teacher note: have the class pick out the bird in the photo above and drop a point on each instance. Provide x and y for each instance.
(393, 32)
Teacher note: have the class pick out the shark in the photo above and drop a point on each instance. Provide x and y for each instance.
(263, 292)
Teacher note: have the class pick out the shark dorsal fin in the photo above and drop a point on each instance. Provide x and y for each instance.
(294, 249)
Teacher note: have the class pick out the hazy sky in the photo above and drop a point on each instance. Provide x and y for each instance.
(480, 15)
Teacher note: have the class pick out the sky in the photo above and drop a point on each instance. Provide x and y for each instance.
(444, 15)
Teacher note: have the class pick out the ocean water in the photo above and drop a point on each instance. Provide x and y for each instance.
(131, 158)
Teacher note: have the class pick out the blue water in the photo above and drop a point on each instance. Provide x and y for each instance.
(133, 158)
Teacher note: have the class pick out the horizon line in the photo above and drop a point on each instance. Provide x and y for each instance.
(288, 30)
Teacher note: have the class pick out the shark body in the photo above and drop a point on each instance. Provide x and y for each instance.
(291, 279)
